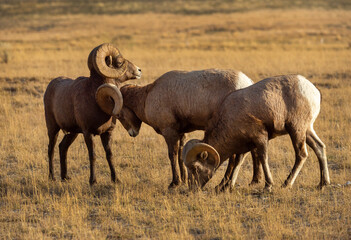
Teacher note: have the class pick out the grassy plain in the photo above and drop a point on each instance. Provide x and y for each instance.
(38, 45)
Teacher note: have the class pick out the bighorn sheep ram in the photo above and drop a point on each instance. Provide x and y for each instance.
(86, 105)
(248, 119)
(179, 102)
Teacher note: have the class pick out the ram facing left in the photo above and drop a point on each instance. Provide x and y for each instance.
(87, 105)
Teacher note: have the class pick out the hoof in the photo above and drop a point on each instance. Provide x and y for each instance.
(285, 185)
(220, 189)
(254, 183)
(268, 189)
(65, 179)
(174, 185)
(115, 181)
(92, 182)
(321, 186)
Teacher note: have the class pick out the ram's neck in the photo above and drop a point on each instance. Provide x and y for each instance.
(134, 98)
(97, 80)
(217, 141)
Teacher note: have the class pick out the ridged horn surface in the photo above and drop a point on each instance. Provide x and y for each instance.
(109, 98)
(195, 147)
(91, 59)
(99, 61)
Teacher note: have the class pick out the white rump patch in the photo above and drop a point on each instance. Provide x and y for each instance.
(313, 96)
(243, 81)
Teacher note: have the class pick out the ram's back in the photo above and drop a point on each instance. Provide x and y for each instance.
(190, 98)
(59, 102)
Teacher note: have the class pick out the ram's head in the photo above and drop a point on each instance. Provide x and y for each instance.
(201, 160)
(108, 61)
(130, 121)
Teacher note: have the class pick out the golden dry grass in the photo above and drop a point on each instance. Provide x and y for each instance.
(261, 43)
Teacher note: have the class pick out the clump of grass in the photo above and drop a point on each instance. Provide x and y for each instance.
(4, 56)
(5, 52)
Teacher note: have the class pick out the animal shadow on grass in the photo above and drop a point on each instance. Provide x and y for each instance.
(59, 189)
(102, 190)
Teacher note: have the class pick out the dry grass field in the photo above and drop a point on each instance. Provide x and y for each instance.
(40, 40)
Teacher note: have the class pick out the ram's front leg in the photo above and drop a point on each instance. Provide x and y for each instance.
(228, 173)
(106, 142)
(239, 160)
(182, 167)
(90, 145)
(172, 140)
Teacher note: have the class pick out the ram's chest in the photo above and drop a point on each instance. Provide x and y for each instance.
(100, 128)
(95, 123)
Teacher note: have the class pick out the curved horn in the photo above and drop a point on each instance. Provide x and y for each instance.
(91, 58)
(99, 55)
(194, 147)
(109, 98)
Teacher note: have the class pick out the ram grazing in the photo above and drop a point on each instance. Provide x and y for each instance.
(179, 102)
(248, 119)
(86, 105)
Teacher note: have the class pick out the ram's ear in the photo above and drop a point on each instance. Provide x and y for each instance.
(203, 155)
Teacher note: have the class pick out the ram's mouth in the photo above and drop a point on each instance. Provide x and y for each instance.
(137, 73)
(138, 76)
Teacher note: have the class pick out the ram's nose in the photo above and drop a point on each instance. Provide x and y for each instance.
(138, 72)
(133, 133)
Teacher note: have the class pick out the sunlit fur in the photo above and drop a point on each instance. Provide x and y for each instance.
(176, 103)
(70, 105)
(249, 118)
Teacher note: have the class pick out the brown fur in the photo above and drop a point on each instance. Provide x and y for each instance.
(250, 117)
(70, 105)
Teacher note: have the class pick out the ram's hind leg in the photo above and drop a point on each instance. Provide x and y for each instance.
(256, 165)
(52, 133)
(64, 145)
(320, 150)
(298, 139)
(106, 142)
(262, 155)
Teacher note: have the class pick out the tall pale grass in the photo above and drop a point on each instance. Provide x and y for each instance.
(259, 43)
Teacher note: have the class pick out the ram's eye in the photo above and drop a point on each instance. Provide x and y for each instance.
(120, 62)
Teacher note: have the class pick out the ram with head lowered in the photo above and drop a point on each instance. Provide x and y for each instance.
(179, 102)
(247, 119)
